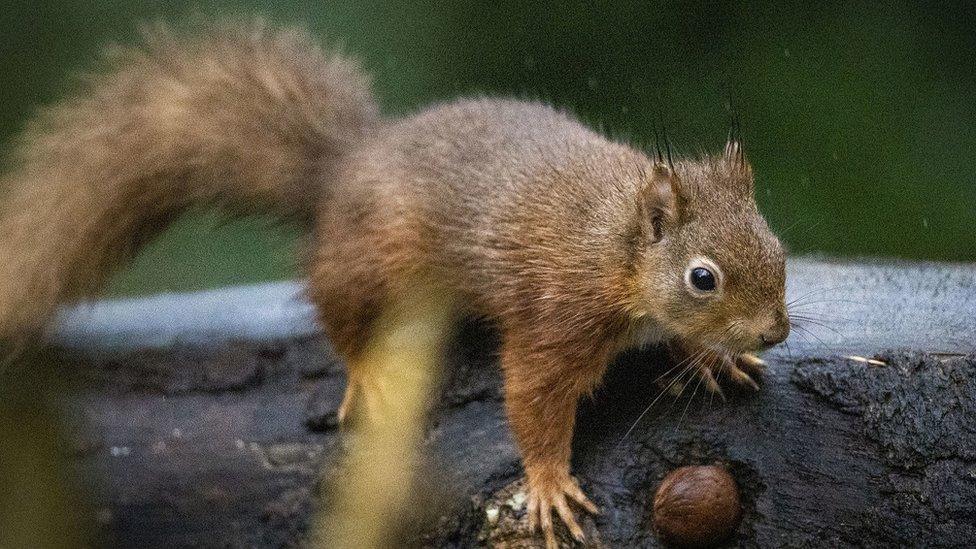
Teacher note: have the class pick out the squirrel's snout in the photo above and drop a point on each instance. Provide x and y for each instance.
(777, 333)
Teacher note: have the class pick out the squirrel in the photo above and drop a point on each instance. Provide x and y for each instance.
(575, 245)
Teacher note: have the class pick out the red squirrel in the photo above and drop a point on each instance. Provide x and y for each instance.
(576, 246)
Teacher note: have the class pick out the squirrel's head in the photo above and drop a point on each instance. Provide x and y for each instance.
(710, 270)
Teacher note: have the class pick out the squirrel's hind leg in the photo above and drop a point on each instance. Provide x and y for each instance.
(367, 397)
(354, 338)
(348, 406)
(391, 346)
(349, 305)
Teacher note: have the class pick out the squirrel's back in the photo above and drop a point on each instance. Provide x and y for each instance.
(496, 195)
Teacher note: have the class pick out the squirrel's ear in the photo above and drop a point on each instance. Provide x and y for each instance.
(659, 203)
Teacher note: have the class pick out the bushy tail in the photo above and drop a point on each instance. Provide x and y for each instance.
(244, 117)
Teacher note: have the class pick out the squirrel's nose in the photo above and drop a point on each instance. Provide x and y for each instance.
(777, 334)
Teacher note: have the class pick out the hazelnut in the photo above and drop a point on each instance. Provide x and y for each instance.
(696, 506)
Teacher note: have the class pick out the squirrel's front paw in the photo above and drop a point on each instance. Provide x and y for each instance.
(709, 366)
(546, 496)
(740, 369)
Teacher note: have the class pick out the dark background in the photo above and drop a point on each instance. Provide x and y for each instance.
(858, 119)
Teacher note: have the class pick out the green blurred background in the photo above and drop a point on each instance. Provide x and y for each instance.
(859, 119)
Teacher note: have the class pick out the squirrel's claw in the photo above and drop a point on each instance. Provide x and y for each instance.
(711, 384)
(736, 368)
(574, 491)
(556, 498)
(741, 369)
(752, 364)
(710, 366)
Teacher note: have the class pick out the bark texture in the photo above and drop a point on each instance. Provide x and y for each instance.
(227, 443)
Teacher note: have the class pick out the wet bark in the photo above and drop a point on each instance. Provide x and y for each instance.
(233, 443)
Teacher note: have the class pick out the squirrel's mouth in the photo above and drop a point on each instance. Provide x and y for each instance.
(732, 348)
(742, 344)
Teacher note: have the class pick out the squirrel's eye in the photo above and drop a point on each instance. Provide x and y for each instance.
(703, 279)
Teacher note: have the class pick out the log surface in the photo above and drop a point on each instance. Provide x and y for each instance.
(220, 440)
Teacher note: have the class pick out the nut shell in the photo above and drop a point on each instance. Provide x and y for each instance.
(696, 506)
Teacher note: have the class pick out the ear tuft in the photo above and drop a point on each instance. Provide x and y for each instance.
(733, 149)
(735, 156)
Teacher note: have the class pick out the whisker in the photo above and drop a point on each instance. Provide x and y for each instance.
(813, 335)
(711, 399)
(691, 363)
(844, 301)
(811, 293)
(786, 231)
(681, 390)
(656, 399)
(819, 324)
(817, 315)
(691, 398)
(816, 323)
(817, 291)
(671, 369)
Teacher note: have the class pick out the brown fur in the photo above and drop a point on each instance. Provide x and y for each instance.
(576, 246)
(246, 118)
